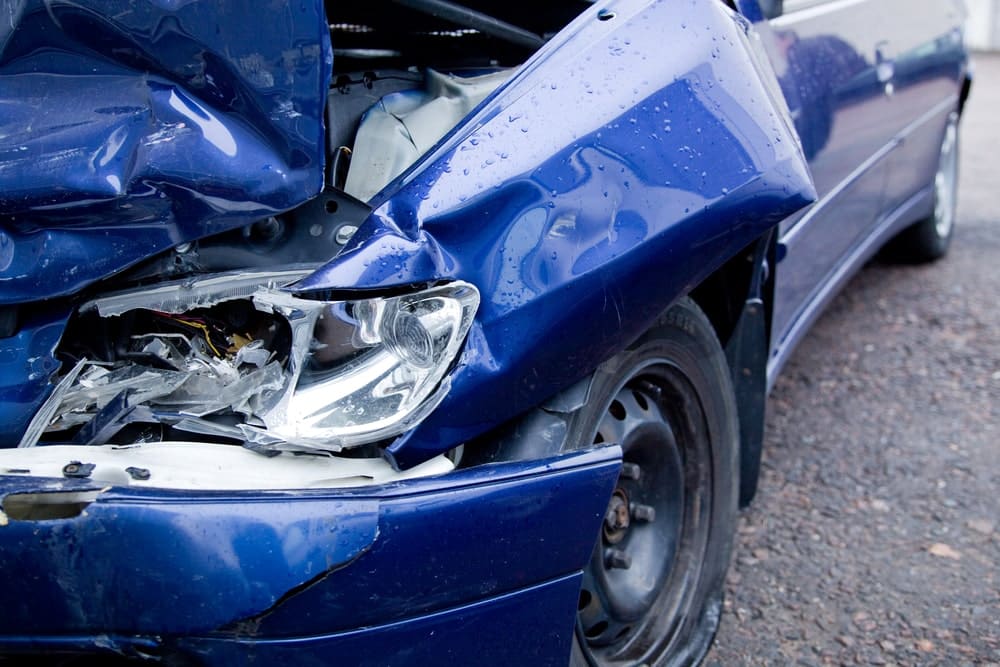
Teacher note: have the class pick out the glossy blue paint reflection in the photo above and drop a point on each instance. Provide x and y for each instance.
(579, 232)
(533, 626)
(128, 128)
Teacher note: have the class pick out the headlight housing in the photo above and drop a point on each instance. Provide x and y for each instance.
(235, 356)
(364, 370)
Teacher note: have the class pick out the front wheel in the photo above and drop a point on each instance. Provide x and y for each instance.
(652, 593)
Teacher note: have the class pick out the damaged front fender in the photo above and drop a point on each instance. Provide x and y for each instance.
(607, 178)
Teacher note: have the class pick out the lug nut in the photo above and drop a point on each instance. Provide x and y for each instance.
(617, 559)
(615, 520)
(645, 513)
(631, 471)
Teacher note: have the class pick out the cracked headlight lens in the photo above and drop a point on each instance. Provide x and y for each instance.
(364, 370)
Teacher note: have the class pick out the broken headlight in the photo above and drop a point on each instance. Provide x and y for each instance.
(234, 357)
(361, 371)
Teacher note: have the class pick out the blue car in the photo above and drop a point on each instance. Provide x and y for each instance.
(419, 332)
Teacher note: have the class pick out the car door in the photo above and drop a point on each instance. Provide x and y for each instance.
(831, 60)
(928, 60)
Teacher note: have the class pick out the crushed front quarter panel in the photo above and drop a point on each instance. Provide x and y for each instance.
(619, 167)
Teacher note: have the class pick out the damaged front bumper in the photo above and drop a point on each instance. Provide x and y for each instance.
(376, 574)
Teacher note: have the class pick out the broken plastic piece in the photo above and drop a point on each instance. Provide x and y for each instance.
(198, 465)
(49, 409)
(183, 295)
(107, 422)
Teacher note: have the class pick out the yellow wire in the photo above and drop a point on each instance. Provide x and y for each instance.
(208, 338)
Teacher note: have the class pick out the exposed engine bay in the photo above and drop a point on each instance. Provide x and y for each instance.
(202, 344)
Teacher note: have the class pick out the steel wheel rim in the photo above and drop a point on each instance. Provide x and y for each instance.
(627, 614)
(945, 181)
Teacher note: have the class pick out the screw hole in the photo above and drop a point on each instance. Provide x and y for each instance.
(641, 400)
(596, 629)
(605, 15)
(331, 206)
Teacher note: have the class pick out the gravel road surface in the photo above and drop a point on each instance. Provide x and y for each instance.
(875, 535)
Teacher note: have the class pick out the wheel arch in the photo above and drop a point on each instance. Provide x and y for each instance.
(737, 301)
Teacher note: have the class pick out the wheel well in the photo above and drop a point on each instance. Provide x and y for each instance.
(721, 296)
(737, 299)
(963, 96)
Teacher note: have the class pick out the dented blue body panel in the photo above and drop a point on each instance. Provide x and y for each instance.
(252, 574)
(130, 127)
(580, 234)
(638, 150)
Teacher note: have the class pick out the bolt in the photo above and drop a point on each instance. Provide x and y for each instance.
(651, 390)
(139, 474)
(78, 470)
(645, 513)
(344, 234)
(631, 471)
(617, 559)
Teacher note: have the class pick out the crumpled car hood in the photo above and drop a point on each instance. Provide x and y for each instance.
(127, 128)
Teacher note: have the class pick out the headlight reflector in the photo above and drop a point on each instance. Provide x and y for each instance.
(363, 370)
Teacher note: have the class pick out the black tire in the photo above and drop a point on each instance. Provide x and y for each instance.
(668, 401)
(928, 240)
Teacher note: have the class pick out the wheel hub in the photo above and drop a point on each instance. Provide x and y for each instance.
(617, 519)
(643, 522)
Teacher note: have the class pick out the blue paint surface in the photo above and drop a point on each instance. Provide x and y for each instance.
(579, 234)
(130, 127)
(145, 565)
(620, 166)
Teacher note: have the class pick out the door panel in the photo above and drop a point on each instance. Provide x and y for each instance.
(833, 62)
(928, 72)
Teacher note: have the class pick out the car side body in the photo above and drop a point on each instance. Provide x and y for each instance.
(557, 183)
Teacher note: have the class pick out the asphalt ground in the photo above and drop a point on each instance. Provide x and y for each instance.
(875, 534)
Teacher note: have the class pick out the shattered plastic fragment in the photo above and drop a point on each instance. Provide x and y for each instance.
(146, 384)
(183, 295)
(253, 353)
(50, 407)
(203, 394)
(199, 426)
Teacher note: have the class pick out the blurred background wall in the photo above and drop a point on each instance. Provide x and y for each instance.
(982, 31)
